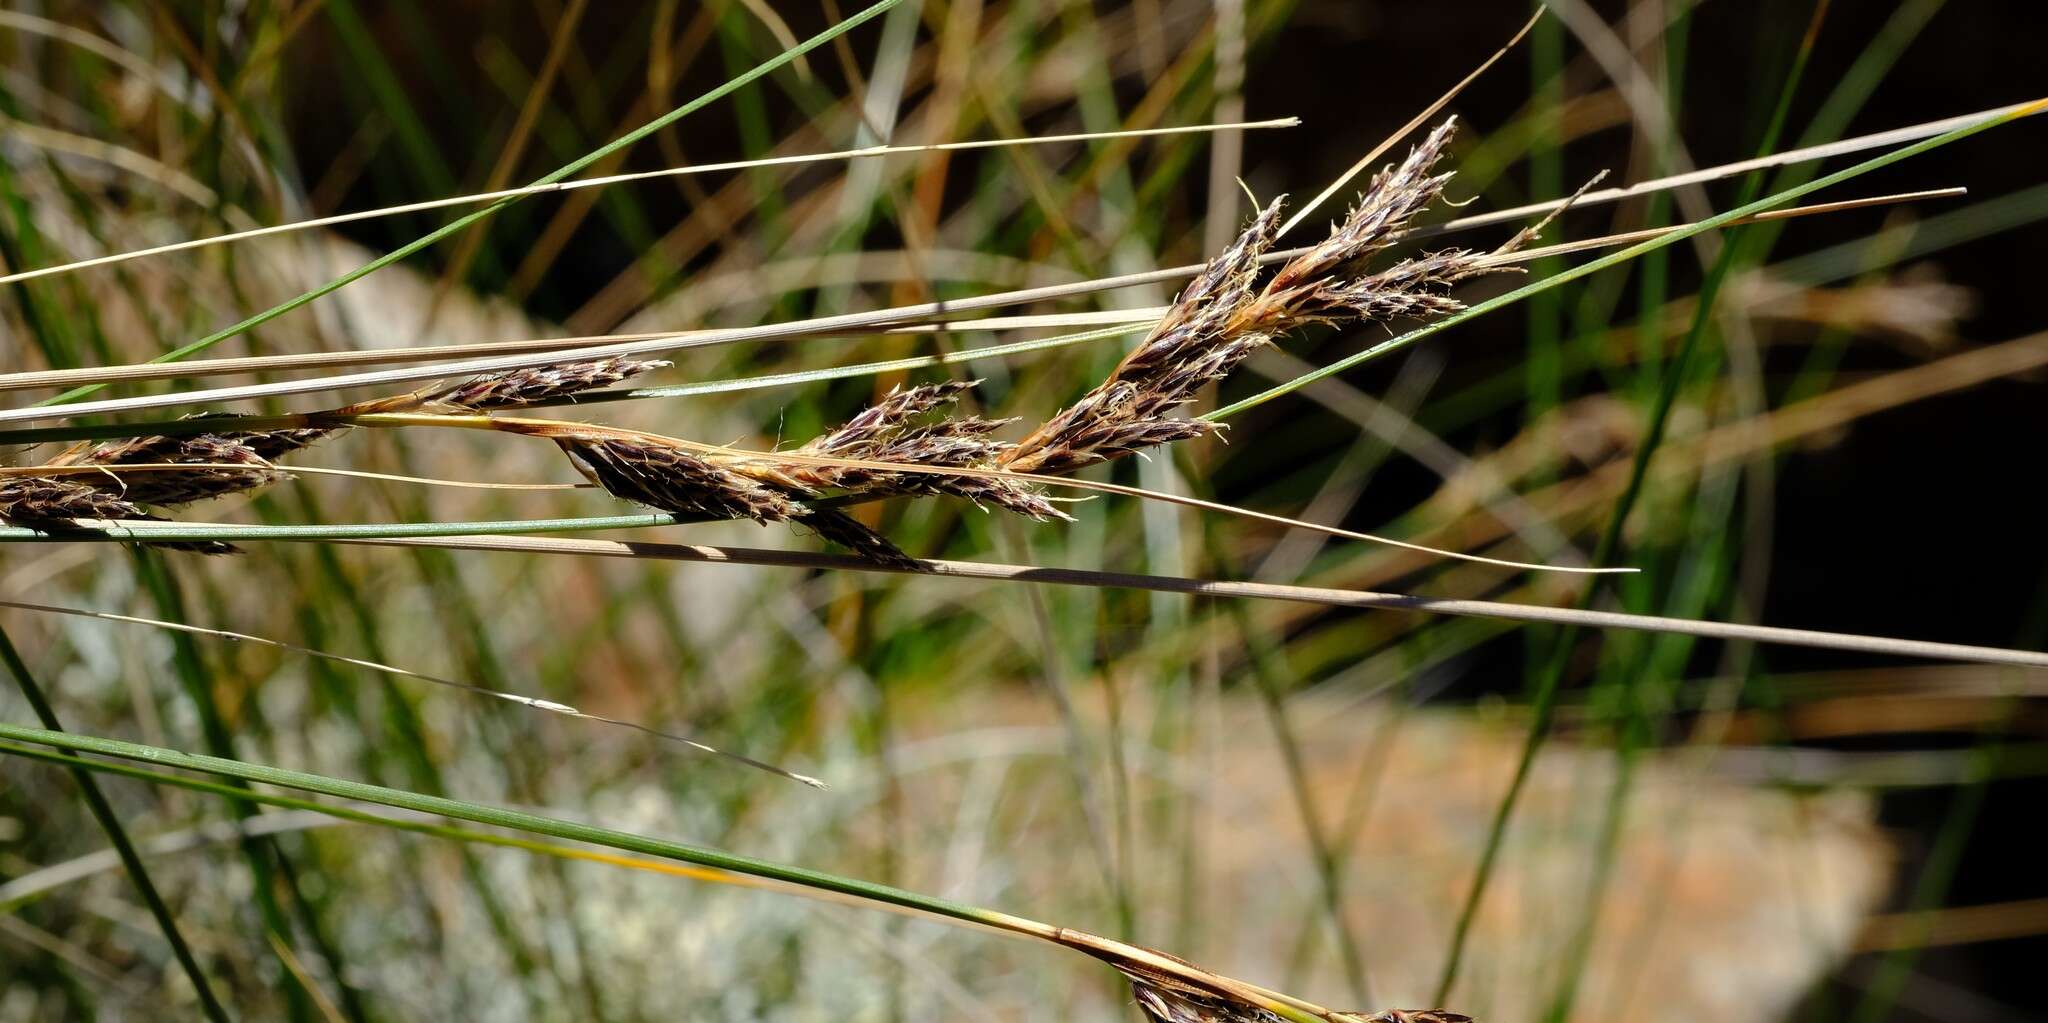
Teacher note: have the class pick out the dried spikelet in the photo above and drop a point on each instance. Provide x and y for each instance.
(1221, 318)
(888, 431)
(52, 504)
(1311, 286)
(1165, 999)
(857, 436)
(1413, 289)
(956, 444)
(683, 482)
(535, 385)
(269, 445)
(850, 533)
(1195, 342)
(1181, 1004)
(170, 487)
(35, 499)
(675, 480)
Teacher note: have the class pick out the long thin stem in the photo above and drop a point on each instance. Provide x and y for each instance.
(497, 536)
(344, 813)
(516, 820)
(196, 368)
(1973, 125)
(545, 187)
(1126, 320)
(1633, 735)
(460, 223)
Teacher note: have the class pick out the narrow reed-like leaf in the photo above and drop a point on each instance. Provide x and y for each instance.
(868, 152)
(117, 835)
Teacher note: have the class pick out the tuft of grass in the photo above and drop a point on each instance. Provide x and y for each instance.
(906, 690)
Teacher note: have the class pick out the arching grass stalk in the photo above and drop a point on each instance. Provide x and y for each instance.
(1146, 967)
(905, 444)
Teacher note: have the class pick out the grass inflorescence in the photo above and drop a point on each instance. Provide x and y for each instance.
(868, 227)
(1218, 320)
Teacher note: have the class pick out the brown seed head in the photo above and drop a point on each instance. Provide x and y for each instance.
(852, 534)
(890, 431)
(858, 437)
(207, 451)
(53, 503)
(1298, 292)
(683, 482)
(1165, 997)
(270, 445)
(1221, 318)
(1182, 1004)
(535, 385)
(37, 499)
(676, 480)
(1200, 339)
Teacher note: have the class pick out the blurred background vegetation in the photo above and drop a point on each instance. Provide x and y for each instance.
(1286, 794)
